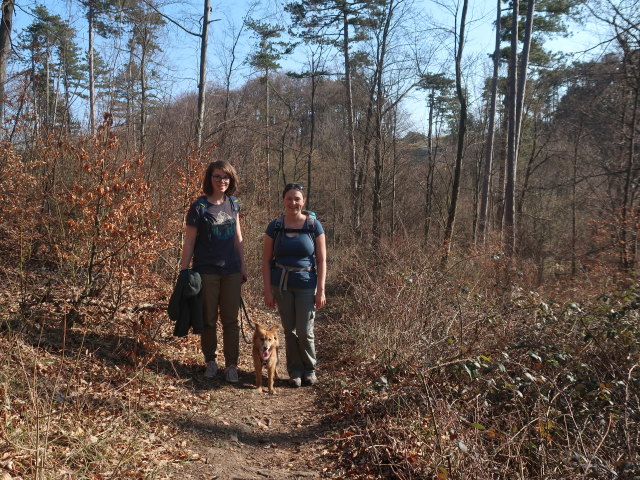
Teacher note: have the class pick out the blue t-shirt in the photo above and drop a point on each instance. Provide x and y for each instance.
(215, 249)
(294, 250)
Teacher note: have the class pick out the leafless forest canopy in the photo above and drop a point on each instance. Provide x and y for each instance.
(563, 198)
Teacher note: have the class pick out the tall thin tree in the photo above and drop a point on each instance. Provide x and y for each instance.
(202, 79)
(266, 58)
(488, 150)
(333, 22)
(508, 220)
(524, 67)
(5, 44)
(202, 74)
(433, 83)
(462, 128)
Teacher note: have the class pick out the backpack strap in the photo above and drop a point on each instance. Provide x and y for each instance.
(201, 206)
(279, 225)
(310, 223)
(308, 227)
(235, 203)
(279, 229)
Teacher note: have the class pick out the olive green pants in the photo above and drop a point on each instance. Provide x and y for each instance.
(221, 293)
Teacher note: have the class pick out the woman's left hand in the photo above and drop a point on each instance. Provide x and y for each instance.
(320, 299)
(243, 272)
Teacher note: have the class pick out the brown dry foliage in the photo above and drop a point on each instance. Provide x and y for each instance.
(470, 373)
(91, 237)
(83, 314)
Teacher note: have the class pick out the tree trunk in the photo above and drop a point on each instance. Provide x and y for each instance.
(632, 156)
(267, 147)
(430, 168)
(524, 65)
(488, 152)
(394, 173)
(462, 128)
(143, 90)
(508, 222)
(5, 36)
(227, 96)
(130, 98)
(92, 81)
(353, 165)
(202, 79)
(378, 158)
(47, 77)
(56, 95)
(34, 92)
(312, 114)
(628, 253)
(66, 120)
(574, 202)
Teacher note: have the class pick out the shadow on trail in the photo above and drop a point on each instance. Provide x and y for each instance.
(247, 426)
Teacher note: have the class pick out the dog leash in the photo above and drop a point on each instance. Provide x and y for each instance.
(244, 314)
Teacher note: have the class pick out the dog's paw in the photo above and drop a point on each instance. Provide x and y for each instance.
(272, 391)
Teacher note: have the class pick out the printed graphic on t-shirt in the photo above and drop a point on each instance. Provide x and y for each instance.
(222, 225)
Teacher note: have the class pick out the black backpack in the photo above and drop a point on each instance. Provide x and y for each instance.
(202, 204)
(308, 227)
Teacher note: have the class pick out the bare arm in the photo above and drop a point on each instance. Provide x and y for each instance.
(267, 255)
(321, 269)
(240, 248)
(188, 246)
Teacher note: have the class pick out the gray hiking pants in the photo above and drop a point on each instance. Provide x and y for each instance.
(297, 313)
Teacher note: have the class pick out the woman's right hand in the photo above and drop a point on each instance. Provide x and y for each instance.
(269, 300)
(267, 255)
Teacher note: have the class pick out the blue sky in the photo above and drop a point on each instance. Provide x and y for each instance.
(180, 55)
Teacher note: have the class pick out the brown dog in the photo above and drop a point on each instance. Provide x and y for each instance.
(265, 354)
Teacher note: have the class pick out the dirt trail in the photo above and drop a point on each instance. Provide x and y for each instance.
(248, 434)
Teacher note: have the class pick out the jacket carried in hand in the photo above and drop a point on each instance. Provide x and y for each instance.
(185, 304)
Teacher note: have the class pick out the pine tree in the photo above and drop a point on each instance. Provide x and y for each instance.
(134, 88)
(541, 18)
(340, 23)
(266, 59)
(435, 84)
(56, 70)
(98, 12)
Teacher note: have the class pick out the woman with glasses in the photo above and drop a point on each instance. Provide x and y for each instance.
(293, 273)
(213, 239)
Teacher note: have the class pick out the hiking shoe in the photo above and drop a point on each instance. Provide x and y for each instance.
(211, 370)
(295, 382)
(231, 374)
(310, 378)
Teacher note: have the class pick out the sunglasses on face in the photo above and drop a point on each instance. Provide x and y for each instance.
(218, 178)
(293, 186)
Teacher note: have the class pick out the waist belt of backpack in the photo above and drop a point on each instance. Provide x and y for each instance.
(284, 276)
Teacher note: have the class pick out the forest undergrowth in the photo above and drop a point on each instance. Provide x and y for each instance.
(466, 374)
(93, 398)
(472, 373)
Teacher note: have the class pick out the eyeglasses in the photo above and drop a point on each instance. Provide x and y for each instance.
(293, 186)
(218, 178)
